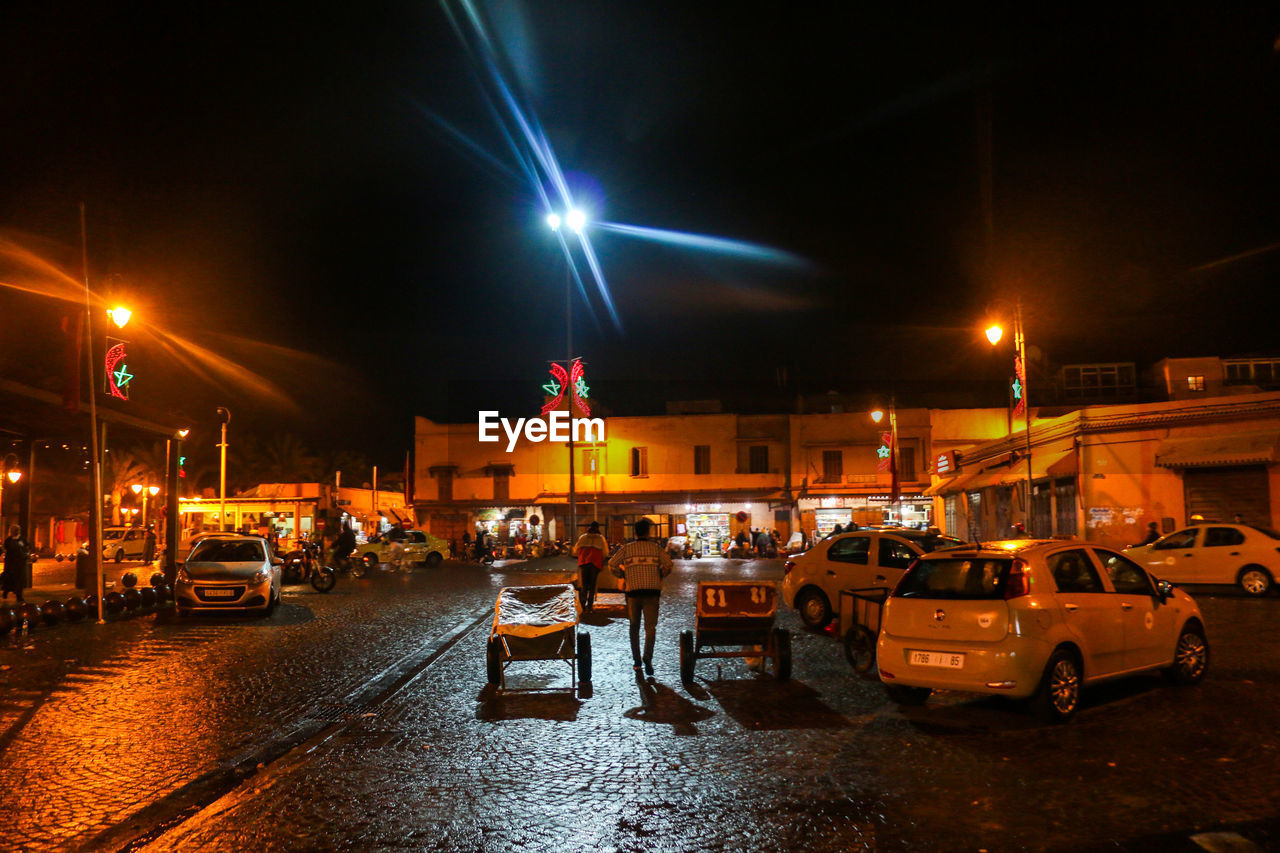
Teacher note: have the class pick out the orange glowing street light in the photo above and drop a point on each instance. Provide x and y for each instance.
(120, 316)
(994, 334)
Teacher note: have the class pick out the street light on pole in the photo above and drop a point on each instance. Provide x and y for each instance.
(877, 415)
(1020, 382)
(577, 220)
(222, 469)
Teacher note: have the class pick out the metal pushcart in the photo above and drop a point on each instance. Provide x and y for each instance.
(736, 613)
(860, 612)
(537, 623)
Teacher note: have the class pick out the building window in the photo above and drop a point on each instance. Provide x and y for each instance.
(1264, 372)
(906, 464)
(1099, 380)
(758, 459)
(832, 466)
(639, 462)
(590, 462)
(501, 484)
(702, 459)
(1195, 383)
(444, 485)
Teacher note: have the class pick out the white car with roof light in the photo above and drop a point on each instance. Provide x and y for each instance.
(1241, 554)
(1035, 619)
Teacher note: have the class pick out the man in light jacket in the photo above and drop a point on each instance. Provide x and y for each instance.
(643, 564)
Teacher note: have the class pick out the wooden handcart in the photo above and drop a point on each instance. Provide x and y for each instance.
(860, 612)
(537, 623)
(739, 614)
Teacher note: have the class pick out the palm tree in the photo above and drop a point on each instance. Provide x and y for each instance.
(121, 469)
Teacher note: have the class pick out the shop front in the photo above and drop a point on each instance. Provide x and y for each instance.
(820, 515)
(707, 531)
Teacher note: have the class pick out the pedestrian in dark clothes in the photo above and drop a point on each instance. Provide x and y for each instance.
(16, 556)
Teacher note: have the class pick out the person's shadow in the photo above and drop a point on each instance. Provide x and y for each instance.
(661, 704)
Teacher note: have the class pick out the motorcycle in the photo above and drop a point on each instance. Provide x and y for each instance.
(347, 565)
(303, 565)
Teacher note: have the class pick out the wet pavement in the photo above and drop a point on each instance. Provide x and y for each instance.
(361, 720)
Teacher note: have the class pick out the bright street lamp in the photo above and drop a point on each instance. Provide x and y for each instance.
(1020, 375)
(577, 220)
(120, 316)
(877, 415)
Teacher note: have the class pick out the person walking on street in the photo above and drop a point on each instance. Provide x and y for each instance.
(16, 555)
(590, 550)
(643, 564)
(1153, 533)
(149, 546)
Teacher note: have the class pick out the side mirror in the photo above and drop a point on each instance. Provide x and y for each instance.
(1164, 590)
(276, 561)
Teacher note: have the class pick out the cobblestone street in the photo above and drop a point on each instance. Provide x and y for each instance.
(361, 720)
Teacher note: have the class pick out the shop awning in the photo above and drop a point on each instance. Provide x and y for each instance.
(969, 482)
(1241, 448)
(1044, 466)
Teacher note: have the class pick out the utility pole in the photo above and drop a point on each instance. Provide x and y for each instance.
(222, 473)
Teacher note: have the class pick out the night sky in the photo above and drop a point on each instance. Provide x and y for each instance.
(332, 180)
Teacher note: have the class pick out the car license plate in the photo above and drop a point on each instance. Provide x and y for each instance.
(946, 660)
(219, 593)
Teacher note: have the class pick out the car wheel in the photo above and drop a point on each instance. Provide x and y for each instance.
(1190, 656)
(119, 557)
(1255, 580)
(1058, 697)
(270, 609)
(903, 695)
(815, 609)
(434, 559)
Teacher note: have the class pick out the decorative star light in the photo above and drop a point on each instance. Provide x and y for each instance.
(552, 388)
(882, 451)
(123, 376)
(581, 387)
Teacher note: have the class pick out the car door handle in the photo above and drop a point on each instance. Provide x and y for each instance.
(879, 577)
(1071, 608)
(1235, 553)
(1124, 605)
(833, 574)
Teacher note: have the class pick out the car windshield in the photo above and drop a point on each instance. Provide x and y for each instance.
(221, 551)
(113, 534)
(1266, 530)
(959, 577)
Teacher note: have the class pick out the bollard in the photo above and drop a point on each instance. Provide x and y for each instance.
(149, 597)
(52, 611)
(157, 579)
(132, 598)
(164, 594)
(30, 614)
(75, 609)
(113, 603)
(6, 620)
(128, 580)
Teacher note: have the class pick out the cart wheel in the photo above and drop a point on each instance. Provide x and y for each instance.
(584, 656)
(860, 649)
(493, 664)
(782, 653)
(686, 657)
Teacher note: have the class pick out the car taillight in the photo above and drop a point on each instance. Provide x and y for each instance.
(1018, 583)
(787, 567)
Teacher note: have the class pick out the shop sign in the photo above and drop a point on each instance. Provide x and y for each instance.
(946, 463)
(342, 502)
(831, 503)
(704, 507)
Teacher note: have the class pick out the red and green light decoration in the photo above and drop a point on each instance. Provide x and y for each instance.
(884, 452)
(1019, 386)
(118, 376)
(572, 380)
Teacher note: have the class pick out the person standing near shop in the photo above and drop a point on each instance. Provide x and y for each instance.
(16, 555)
(590, 550)
(643, 564)
(149, 545)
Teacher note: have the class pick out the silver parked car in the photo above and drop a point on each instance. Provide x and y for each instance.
(229, 573)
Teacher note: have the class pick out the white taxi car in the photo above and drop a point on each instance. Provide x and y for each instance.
(812, 581)
(1215, 553)
(1034, 619)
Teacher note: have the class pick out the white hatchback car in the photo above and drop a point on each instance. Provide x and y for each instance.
(123, 543)
(812, 581)
(1215, 553)
(1034, 619)
(229, 572)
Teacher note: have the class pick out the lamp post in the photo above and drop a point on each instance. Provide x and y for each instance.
(12, 476)
(576, 220)
(222, 470)
(877, 416)
(1020, 381)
